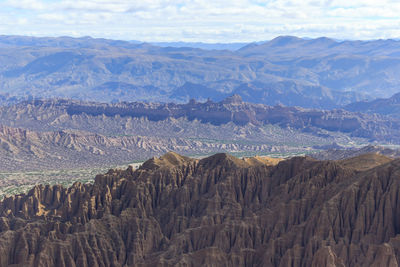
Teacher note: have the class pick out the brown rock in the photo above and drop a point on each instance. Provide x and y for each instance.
(218, 211)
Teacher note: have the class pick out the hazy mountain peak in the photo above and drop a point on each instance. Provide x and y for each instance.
(234, 99)
(314, 73)
(284, 40)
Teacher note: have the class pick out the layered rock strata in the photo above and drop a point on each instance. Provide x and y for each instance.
(55, 114)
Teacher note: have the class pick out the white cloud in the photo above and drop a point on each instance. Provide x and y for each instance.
(26, 4)
(202, 20)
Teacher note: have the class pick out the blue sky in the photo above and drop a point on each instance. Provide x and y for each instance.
(201, 20)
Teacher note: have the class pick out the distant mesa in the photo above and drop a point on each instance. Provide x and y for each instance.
(232, 109)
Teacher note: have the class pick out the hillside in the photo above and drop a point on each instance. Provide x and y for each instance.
(384, 106)
(229, 119)
(61, 140)
(315, 73)
(339, 154)
(221, 210)
(26, 150)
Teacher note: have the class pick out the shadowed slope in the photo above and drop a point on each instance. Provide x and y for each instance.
(219, 211)
(365, 161)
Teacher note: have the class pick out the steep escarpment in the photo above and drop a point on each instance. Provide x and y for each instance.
(221, 210)
(126, 118)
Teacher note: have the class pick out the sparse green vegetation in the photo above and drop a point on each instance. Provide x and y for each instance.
(20, 182)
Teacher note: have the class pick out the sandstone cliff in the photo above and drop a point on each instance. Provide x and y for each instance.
(218, 211)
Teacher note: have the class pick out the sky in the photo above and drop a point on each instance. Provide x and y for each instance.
(211, 21)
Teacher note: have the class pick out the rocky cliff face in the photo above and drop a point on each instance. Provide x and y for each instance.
(124, 118)
(218, 211)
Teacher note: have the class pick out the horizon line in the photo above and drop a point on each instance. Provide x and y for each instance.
(196, 42)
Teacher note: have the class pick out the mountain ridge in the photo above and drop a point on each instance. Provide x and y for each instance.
(232, 109)
(218, 210)
(108, 70)
(384, 106)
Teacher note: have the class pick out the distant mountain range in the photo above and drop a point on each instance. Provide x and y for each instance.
(313, 73)
(127, 118)
(201, 45)
(69, 106)
(384, 106)
(340, 154)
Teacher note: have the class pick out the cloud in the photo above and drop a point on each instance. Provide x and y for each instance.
(202, 20)
(33, 5)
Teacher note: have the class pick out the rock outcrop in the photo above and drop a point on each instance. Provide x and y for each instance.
(217, 211)
(71, 114)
